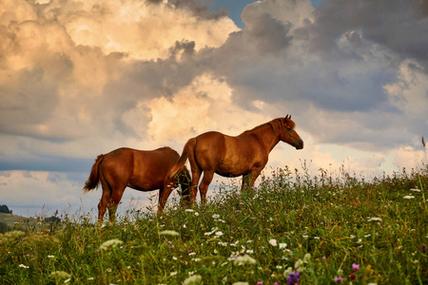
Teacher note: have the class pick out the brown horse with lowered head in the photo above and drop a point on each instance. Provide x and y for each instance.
(245, 154)
(138, 169)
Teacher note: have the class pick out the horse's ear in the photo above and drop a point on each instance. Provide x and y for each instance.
(288, 117)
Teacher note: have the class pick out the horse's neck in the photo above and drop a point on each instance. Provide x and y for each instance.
(266, 136)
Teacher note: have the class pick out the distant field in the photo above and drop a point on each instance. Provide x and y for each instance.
(294, 229)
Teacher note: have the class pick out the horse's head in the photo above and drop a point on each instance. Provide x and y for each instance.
(286, 132)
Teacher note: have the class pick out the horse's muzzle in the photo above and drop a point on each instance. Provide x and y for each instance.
(299, 145)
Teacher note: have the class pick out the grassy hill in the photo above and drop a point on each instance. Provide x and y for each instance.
(294, 229)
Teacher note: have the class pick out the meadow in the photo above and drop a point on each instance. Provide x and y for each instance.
(294, 229)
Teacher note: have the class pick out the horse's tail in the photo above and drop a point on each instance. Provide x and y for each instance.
(185, 182)
(94, 177)
(179, 165)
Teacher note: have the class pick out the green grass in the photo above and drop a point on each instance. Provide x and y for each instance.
(329, 218)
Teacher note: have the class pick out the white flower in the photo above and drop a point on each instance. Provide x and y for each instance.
(169, 233)
(51, 256)
(90, 278)
(193, 280)
(243, 260)
(216, 216)
(288, 271)
(282, 245)
(415, 189)
(240, 283)
(305, 236)
(374, 219)
(249, 251)
(196, 214)
(173, 273)
(307, 258)
(60, 275)
(23, 266)
(110, 244)
(189, 210)
(219, 233)
(273, 242)
(408, 197)
(222, 243)
(192, 253)
(372, 283)
(67, 280)
(367, 235)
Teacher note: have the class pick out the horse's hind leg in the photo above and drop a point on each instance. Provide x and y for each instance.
(203, 188)
(116, 196)
(104, 201)
(196, 175)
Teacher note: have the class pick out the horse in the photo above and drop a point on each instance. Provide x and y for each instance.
(138, 169)
(233, 156)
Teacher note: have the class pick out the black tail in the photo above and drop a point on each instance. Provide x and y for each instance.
(185, 181)
(94, 177)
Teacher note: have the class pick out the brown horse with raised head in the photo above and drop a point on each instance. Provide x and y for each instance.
(138, 169)
(245, 154)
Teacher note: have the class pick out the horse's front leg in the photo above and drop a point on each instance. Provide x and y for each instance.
(245, 182)
(249, 179)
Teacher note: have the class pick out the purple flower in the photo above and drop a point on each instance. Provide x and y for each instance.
(355, 267)
(338, 279)
(293, 278)
(260, 282)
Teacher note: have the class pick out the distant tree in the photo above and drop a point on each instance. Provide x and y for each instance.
(5, 209)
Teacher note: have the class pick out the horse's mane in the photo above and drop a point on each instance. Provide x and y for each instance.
(277, 121)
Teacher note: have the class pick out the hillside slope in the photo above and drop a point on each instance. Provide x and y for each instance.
(293, 230)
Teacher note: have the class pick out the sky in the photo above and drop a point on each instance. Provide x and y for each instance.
(82, 77)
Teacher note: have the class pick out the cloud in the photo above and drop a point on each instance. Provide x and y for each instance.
(79, 78)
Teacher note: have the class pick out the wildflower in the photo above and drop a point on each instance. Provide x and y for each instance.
(241, 283)
(196, 214)
(287, 271)
(372, 283)
(293, 278)
(169, 233)
(355, 267)
(352, 276)
(90, 278)
(23, 266)
(110, 244)
(51, 256)
(249, 251)
(243, 260)
(273, 242)
(189, 210)
(215, 216)
(67, 280)
(59, 275)
(192, 253)
(276, 283)
(173, 273)
(193, 280)
(374, 219)
(259, 282)
(338, 279)
(219, 233)
(305, 236)
(408, 197)
(282, 245)
(307, 258)
(415, 189)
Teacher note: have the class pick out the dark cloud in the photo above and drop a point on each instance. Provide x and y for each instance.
(199, 7)
(397, 25)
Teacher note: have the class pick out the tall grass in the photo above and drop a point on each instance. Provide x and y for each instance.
(317, 226)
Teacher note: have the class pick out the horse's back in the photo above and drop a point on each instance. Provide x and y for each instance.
(140, 169)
